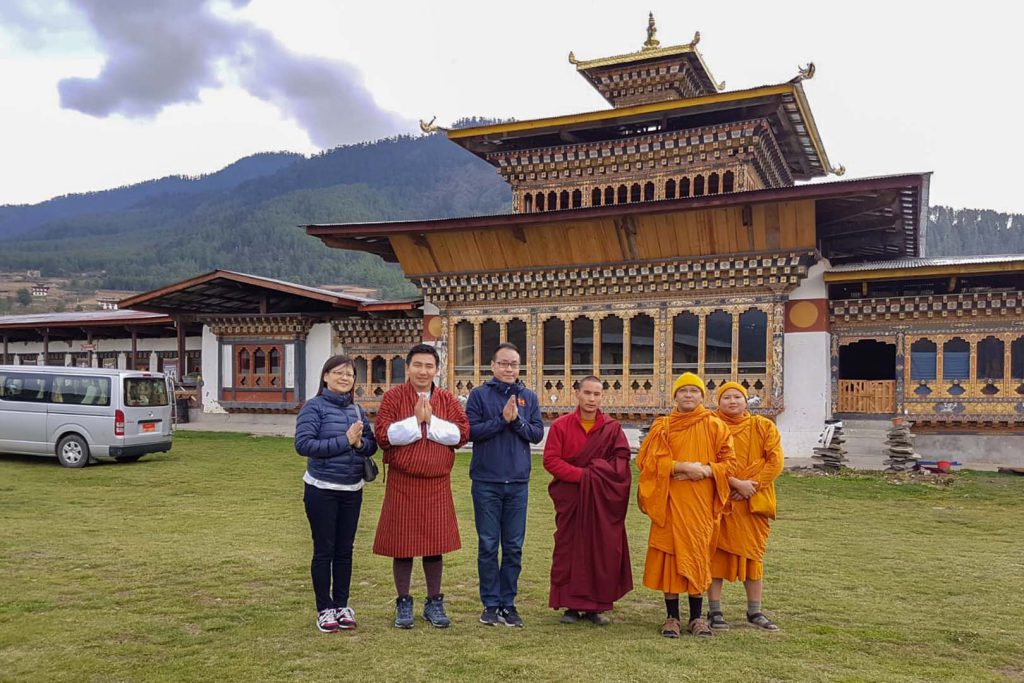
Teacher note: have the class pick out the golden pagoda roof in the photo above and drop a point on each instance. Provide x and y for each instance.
(483, 139)
(651, 50)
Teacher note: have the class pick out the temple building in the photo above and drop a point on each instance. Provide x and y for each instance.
(669, 233)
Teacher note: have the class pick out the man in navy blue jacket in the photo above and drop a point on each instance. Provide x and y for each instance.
(504, 419)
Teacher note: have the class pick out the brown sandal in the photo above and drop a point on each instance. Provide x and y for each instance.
(699, 627)
(671, 628)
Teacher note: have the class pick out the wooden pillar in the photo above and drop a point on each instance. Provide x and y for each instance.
(7, 360)
(92, 352)
(179, 323)
(538, 351)
(1007, 359)
(46, 347)
(135, 349)
(627, 336)
(702, 333)
(972, 372)
(567, 356)
(502, 331)
(477, 353)
(939, 353)
(387, 372)
(597, 346)
(734, 370)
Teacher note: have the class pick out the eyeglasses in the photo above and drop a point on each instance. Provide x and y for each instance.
(507, 364)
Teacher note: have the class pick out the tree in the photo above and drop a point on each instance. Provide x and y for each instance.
(23, 297)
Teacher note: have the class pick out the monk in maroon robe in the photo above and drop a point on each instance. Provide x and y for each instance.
(588, 455)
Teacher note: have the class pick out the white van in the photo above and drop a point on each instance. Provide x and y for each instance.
(82, 413)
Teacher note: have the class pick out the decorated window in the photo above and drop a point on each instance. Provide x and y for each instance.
(611, 347)
(582, 346)
(922, 360)
(685, 330)
(753, 351)
(641, 345)
(554, 347)
(258, 366)
(956, 359)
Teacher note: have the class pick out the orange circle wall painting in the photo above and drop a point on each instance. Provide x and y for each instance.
(803, 314)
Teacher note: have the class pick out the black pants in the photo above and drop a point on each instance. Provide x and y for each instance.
(333, 517)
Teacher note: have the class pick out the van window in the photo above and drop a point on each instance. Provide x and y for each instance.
(145, 391)
(23, 386)
(79, 390)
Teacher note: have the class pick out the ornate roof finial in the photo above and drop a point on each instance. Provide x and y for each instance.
(839, 170)
(429, 127)
(804, 73)
(651, 43)
(572, 57)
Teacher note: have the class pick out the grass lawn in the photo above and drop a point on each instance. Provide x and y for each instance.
(194, 565)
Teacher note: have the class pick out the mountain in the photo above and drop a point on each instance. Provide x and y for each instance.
(246, 217)
(21, 219)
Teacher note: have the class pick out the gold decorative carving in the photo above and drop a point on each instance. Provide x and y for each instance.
(429, 127)
(651, 43)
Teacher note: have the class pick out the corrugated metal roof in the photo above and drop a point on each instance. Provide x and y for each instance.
(927, 262)
(317, 290)
(83, 317)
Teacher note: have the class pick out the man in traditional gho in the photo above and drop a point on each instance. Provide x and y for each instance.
(685, 464)
(743, 530)
(588, 455)
(419, 426)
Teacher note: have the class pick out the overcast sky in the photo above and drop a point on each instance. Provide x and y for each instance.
(100, 93)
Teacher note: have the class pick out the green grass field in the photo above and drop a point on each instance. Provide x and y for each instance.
(194, 565)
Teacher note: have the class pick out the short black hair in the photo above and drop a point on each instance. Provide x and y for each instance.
(506, 345)
(423, 348)
(591, 378)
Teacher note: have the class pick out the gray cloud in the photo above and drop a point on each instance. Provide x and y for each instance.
(164, 52)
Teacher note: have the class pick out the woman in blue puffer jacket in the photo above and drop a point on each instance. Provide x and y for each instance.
(333, 435)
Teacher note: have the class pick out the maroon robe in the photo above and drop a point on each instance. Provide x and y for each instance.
(590, 566)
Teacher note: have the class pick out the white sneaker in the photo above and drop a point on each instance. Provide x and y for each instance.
(346, 618)
(327, 621)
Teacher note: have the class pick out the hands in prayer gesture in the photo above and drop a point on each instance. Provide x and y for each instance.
(423, 411)
(510, 412)
(355, 434)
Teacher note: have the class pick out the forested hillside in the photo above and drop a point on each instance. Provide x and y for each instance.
(246, 217)
(193, 226)
(961, 232)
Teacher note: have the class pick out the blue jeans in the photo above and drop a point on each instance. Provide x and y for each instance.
(500, 511)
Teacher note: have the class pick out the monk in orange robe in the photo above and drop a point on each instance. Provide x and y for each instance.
(685, 464)
(743, 531)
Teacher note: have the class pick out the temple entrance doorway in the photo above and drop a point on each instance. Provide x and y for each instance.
(867, 377)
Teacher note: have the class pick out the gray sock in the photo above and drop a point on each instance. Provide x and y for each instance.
(753, 607)
(714, 606)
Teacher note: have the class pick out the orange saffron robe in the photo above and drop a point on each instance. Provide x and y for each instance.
(683, 513)
(742, 534)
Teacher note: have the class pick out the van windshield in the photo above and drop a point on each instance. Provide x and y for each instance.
(145, 391)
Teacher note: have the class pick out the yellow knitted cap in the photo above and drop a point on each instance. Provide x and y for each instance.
(688, 379)
(730, 385)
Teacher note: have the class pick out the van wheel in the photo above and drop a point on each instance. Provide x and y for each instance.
(73, 451)
(128, 458)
